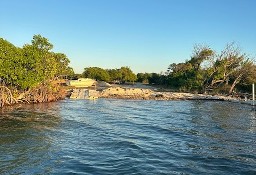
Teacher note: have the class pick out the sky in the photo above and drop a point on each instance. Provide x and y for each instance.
(145, 35)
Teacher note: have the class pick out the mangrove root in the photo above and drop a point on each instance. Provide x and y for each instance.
(43, 93)
(6, 97)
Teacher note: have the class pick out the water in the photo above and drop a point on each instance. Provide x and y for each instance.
(128, 137)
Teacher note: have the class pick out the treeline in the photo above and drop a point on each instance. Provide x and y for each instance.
(208, 71)
(34, 63)
(122, 75)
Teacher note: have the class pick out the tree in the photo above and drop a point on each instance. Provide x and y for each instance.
(127, 75)
(222, 73)
(200, 55)
(96, 73)
(10, 63)
(115, 74)
(229, 68)
(124, 74)
(62, 64)
(245, 70)
(41, 43)
(143, 77)
(32, 64)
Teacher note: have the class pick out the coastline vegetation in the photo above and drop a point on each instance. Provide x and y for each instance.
(227, 72)
(29, 74)
(122, 75)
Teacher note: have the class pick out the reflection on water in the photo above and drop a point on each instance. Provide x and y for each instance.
(228, 132)
(128, 137)
(25, 139)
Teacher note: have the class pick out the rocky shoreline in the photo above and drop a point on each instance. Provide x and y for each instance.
(143, 94)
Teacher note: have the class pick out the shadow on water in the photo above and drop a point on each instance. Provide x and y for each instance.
(25, 138)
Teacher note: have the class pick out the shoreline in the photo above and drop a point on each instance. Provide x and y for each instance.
(133, 93)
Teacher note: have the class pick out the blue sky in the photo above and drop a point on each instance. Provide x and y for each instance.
(146, 35)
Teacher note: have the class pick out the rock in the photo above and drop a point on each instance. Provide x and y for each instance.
(142, 94)
(129, 93)
(79, 94)
(84, 94)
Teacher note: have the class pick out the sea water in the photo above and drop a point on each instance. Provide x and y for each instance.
(108, 136)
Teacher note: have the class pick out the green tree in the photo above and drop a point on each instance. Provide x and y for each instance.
(115, 74)
(127, 75)
(32, 64)
(10, 63)
(62, 65)
(229, 68)
(143, 77)
(41, 43)
(96, 73)
(179, 75)
(207, 70)
(190, 76)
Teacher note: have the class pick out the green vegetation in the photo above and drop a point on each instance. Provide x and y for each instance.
(226, 72)
(122, 75)
(96, 73)
(32, 64)
(206, 71)
(152, 78)
(28, 72)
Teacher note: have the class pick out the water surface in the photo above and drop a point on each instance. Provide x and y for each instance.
(128, 137)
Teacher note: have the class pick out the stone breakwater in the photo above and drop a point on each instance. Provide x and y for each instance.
(143, 94)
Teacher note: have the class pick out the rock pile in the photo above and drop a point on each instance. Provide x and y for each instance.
(147, 94)
(126, 93)
(84, 94)
(142, 94)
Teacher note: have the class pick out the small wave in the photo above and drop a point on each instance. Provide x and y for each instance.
(128, 137)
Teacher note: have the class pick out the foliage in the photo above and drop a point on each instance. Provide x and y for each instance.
(207, 70)
(127, 75)
(221, 72)
(115, 75)
(143, 77)
(124, 74)
(152, 78)
(96, 73)
(32, 64)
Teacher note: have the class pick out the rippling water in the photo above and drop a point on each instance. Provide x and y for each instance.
(128, 137)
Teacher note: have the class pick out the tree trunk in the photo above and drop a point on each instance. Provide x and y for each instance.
(237, 80)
